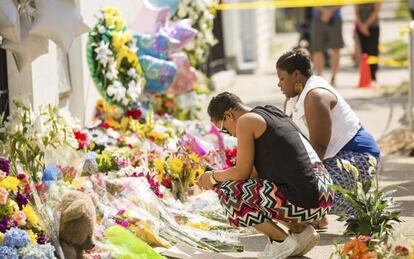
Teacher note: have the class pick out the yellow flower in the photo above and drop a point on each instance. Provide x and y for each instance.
(109, 10)
(194, 157)
(31, 215)
(119, 39)
(194, 174)
(112, 123)
(126, 53)
(176, 165)
(1, 237)
(159, 165)
(32, 236)
(10, 183)
(109, 20)
(119, 24)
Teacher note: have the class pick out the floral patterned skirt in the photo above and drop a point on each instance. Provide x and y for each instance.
(345, 169)
(254, 201)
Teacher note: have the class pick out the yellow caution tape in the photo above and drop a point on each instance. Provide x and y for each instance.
(387, 62)
(289, 4)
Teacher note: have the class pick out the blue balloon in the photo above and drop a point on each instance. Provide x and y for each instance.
(158, 73)
(171, 4)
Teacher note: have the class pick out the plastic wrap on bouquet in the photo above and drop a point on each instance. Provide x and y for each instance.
(158, 45)
(158, 73)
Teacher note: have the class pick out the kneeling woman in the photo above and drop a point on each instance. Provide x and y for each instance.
(277, 176)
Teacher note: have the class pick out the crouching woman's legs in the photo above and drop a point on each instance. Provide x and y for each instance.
(257, 202)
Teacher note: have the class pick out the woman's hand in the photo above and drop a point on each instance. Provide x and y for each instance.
(204, 181)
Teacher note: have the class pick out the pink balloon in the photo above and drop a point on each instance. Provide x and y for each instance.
(149, 18)
(186, 76)
(182, 31)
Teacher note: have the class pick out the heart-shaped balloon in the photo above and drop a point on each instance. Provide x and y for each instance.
(158, 45)
(158, 73)
(186, 77)
(182, 31)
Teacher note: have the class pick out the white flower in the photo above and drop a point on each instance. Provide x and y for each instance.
(112, 71)
(203, 26)
(103, 52)
(190, 46)
(134, 90)
(132, 72)
(125, 101)
(116, 90)
(101, 29)
(100, 15)
(182, 12)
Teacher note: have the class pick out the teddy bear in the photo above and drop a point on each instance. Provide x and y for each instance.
(77, 223)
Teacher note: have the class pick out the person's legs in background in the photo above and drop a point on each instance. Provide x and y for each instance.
(335, 43)
(372, 50)
(317, 45)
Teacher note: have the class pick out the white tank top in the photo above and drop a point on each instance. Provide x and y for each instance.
(345, 123)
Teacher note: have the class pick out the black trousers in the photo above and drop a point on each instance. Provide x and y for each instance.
(369, 45)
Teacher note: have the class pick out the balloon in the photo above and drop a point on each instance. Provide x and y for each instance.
(186, 77)
(158, 73)
(58, 20)
(172, 5)
(9, 21)
(29, 47)
(158, 45)
(182, 31)
(149, 18)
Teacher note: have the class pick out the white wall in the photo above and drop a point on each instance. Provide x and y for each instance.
(41, 82)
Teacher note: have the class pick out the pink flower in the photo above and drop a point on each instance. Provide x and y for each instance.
(4, 194)
(2, 175)
(19, 217)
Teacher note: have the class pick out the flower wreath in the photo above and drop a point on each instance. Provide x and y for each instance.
(113, 61)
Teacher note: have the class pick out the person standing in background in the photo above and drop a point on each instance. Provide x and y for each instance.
(368, 30)
(326, 33)
(412, 9)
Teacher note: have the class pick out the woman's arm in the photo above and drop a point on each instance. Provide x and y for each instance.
(318, 105)
(246, 128)
(371, 19)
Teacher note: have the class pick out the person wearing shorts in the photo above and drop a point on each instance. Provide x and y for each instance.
(326, 34)
(278, 177)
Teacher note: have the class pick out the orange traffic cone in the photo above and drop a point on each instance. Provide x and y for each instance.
(364, 72)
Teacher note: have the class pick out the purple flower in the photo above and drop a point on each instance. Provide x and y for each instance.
(22, 199)
(16, 237)
(5, 165)
(124, 223)
(41, 238)
(6, 223)
(120, 212)
(8, 253)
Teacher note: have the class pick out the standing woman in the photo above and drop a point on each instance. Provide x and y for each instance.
(277, 177)
(333, 129)
(368, 30)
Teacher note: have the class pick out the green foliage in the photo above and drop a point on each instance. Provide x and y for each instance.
(402, 11)
(373, 216)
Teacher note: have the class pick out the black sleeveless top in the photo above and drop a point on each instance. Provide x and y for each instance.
(281, 157)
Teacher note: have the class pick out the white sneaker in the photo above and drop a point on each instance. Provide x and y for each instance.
(279, 250)
(307, 239)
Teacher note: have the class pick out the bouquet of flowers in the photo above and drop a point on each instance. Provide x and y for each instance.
(113, 61)
(19, 221)
(26, 135)
(181, 168)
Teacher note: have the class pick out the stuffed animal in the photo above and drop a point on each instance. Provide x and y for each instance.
(77, 223)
